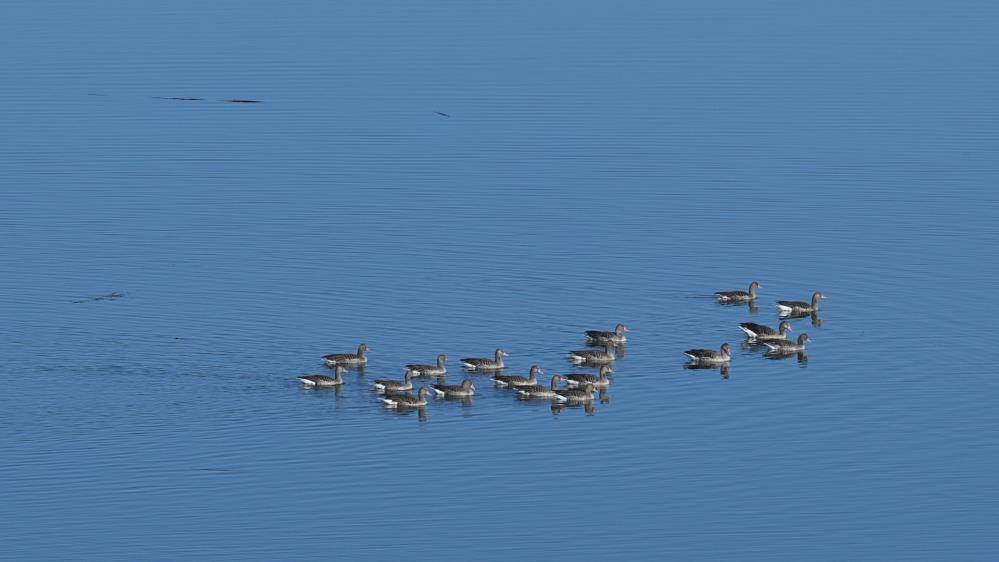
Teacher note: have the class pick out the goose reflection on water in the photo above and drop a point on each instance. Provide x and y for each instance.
(781, 356)
(618, 348)
(723, 368)
(420, 412)
(750, 305)
(334, 391)
(813, 316)
(587, 407)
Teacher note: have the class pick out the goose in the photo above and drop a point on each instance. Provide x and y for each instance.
(785, 346)
(477, 363)
(615, 337)
(407, 400)
(709, 355)
(739, 296)
(348, 359)
(541, 391)
(518, 380)
(593, 356)
(382, 385)
(800, 307)
(324, 380)
(429, 370)
(466, 388)
(600, 381)
(584, 394)
(760, 333)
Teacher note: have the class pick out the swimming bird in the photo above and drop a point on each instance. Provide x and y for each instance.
(800, 307)
(541, 391)
(785, 346)
(519, 380)
(760, 333)
(407, 400)
(466, 388)
(615, 337)
(739, 296)
(419, 370)
(348, 359)
(479, 364)
(584, 394)
(601, 381)
(382, 385)
(593, 356)
(324, 380)
(709, 355)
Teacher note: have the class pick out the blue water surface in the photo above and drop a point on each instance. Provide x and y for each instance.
(598, 162)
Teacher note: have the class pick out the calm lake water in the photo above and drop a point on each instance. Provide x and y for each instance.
(599, 163)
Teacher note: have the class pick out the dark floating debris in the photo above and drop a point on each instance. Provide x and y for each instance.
(177, 98)
(442, 114)
(108, 297)
(242, 101)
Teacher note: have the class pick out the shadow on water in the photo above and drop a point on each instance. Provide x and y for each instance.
(108, 297)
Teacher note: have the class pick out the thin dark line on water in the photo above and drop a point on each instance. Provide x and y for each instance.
(108, 297)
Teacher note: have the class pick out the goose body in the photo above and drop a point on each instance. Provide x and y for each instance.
(419, 370)
(323, 381)
(615, 337)
(348, 359)
(598, 381)
(407, 400)
(480, 364)
(519, 380)
(541, 391)
(584, 394)
(738, 296)
(722, 355)
(800, 307)
(785, 346)
(466, 388)
(761, 333)
(593, 356)
(383, 385)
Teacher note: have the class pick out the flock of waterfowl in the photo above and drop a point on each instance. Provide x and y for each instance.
(577, 389)
(580, 388)
(775, 340)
